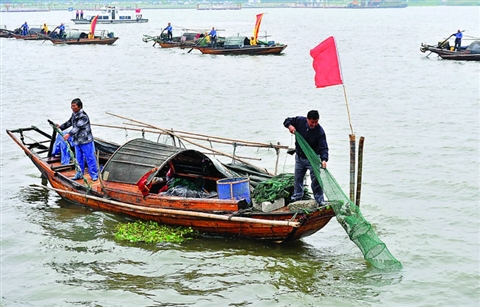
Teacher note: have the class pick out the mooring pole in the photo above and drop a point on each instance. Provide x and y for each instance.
(359, 171)
(352, 167)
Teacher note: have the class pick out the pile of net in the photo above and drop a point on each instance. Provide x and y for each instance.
(280, 186)
(349, 216)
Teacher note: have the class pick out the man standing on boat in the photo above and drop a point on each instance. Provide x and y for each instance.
(458, 40)
(213, 37)
(77, 14)
(61, 28)
(81, 14)
(169, 32)
(309, 128)
(82, 139)
(24, 28)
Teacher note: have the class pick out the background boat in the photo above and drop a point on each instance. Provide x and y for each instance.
(111, 14)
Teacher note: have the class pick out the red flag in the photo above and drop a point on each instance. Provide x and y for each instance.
(138, 11)
(257, 26)
(93, 24)
(326, 64)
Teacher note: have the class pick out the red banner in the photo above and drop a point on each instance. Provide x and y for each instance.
(257, 26)
(326, 64)
(93, 24)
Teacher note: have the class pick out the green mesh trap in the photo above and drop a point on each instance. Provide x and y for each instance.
(349, 216)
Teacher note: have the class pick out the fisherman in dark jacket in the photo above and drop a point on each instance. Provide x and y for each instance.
(314, 134)
(81, 133)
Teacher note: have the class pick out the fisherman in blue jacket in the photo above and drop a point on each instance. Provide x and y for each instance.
(169, 32)
(81, 133)
(24, 28)
(61, 28)
(458, 40)
(213, 37)
(309, 128)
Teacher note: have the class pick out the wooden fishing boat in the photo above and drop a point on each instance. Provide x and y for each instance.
(240, 45)
(85, 41)
(445, 51)
(186, 40)
(110, 15)
(78, 37)
(33, 34)
(6, 33)
(134, 174)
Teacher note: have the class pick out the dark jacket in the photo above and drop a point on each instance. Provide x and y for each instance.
(315, 137)
(81, 131)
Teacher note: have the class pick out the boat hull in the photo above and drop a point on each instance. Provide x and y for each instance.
(220, 217)
(462, 55)
(246, 50)
(85, 41)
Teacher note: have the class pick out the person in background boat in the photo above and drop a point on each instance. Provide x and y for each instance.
(458, 40)
(213, 37)
(82, 139)
(169, 32)
(60, 147)
(61, 30)
(309, 128)
(253, 42)
(77, 14)
(24, 29)
(44, 29)
(81, 14)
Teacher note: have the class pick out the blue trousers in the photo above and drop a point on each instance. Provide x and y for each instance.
(301, 167)
(60, 147)
(87, 152)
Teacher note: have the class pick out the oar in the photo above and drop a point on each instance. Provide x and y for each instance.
(441, 44)
(159, 37)
(197, 43)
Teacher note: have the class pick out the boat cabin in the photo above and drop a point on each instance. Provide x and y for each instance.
(111, 13)
(239, 41)
(151, 166)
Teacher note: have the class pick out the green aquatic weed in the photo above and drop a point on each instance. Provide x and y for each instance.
(152, 232)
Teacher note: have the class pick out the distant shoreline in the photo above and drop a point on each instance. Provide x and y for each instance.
(34, 7)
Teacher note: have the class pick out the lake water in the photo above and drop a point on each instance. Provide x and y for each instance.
(419, 117)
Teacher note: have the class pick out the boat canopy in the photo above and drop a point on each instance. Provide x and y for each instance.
(474, 47)
(139, 156)
(236, 41)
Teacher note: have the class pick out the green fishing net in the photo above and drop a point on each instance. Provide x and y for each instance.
(349, 216)
(279, 186)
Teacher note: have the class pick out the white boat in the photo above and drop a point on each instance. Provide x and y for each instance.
(110, 14)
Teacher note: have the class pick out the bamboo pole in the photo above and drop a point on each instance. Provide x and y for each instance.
(218, 139)
(202, 138)
(186, 140)
(359, 171)
(157, 132)
(177, 212)
(352, 167)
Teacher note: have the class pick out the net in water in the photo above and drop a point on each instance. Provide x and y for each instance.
(349, 216)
